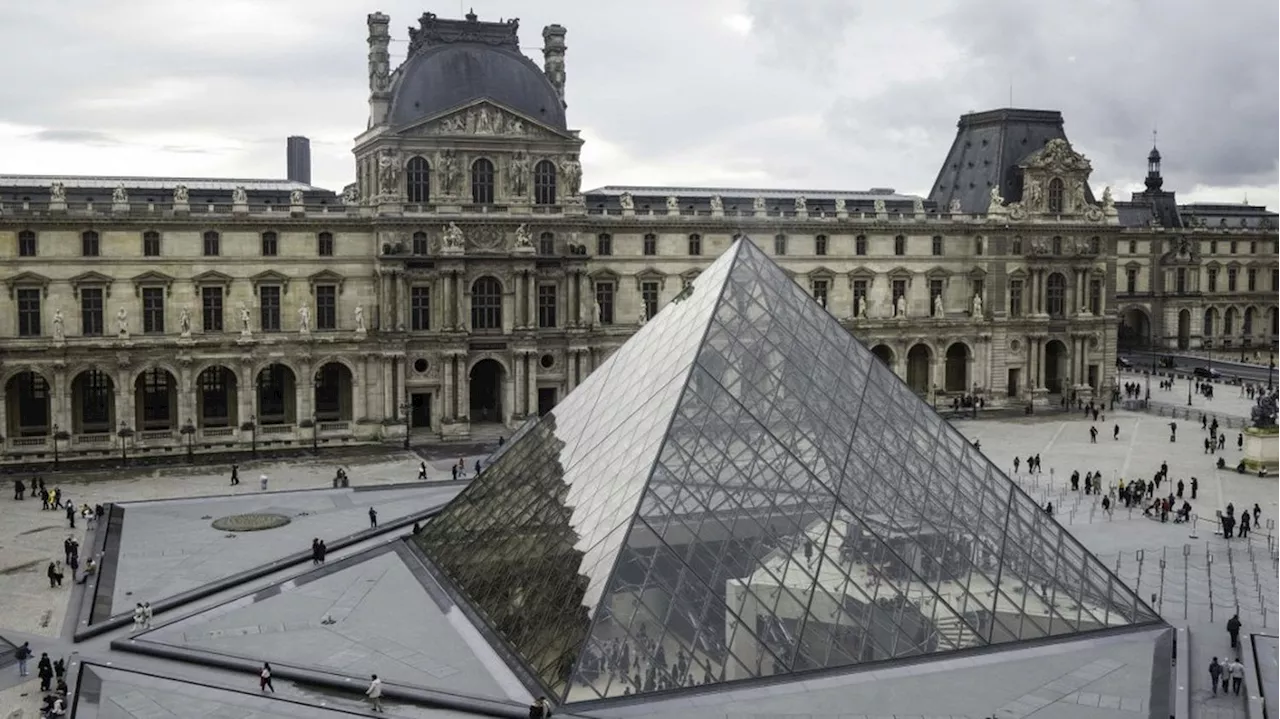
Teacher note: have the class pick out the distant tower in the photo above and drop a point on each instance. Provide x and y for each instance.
(553, 49)
(379, 67)
(298, 159)
(1154, 180)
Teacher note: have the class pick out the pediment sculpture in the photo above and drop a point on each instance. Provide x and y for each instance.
(1057, 155)
(484, 120)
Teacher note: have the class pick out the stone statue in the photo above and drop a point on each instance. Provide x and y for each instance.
(862, 308)
(801, 204)
(453, 238)
(1108, 202)
(599, 314)
(351, 194)
(389, 173)
(758, 204)
(122, 322)
(1035, 193)
(900, 306)
(627, 202)
(295, 198)
(977, 305)
(996, 205)
(454, 125)
(717, 204)
(1264, 412)
(954, 206)
(449, 172)
(673, 205)
(879, 206)
(938, 309)
(917, 206)
(518, 174)
(120, 195)
(485, 122)
(515, 126)
(184, 322)
(304, 319)
(59, 326)
(644, 313)
(239, 196)
(360, 319)
(524, 238)
(1077, 196)
(572, 170)
(840, 206)
(180, 195)
(245, 329)
(57, 192)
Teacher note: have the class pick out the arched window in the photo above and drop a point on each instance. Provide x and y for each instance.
(1056, 294)
(546, 244)
(1056, 191)
(1210, 315)
(1246, 327)
(418, 180)
(1229, 322)
(1057, 245)
(544, 183)
(482, 182)
(486, 304)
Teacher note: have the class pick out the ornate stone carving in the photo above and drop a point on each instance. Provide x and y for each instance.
(518, 175)
(184, 322)
(180, 195)
(717, 204)
(627, 202)
(1057, 156)
(572, 171)
(57, 192)
(976, 307)
(120, 195)
(673, 205)
(954, 206)
(840, 204)
(801, 204)
(900, 306)
(351, 194)
(122, 323)
(917, 206)
(1108, 202)
(304, 319)
(996, 205)
(239, 196)
(453, 238)
(484, 120)
(1034, 195)
(359, 313)
(389, 173)
(1078, 197)
(59, 326)
(245, 329)
(450, 173)
(524, 238)
(758, 204)
(939, 309)
(296, 198)
(879, 207)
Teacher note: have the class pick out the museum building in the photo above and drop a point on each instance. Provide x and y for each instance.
(466, 280)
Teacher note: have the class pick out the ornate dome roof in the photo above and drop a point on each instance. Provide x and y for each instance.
(441, 77)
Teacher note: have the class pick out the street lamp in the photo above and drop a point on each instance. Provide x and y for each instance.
(316, 384)
(124, 433)
(404, 410)
(315, 431)
(55, 445)
(189, 429)
(252, 427)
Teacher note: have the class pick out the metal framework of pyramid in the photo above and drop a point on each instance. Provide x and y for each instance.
(743, 490)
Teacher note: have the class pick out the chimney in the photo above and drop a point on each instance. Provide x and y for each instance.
(298, 159)
(553, 48)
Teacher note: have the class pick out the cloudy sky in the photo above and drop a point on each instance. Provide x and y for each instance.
(831, 94)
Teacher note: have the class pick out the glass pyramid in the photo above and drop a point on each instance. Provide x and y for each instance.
(743, 490)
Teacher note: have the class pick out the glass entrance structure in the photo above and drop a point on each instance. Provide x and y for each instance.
(743, 490)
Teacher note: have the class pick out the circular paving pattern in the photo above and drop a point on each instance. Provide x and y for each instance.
(250, 522)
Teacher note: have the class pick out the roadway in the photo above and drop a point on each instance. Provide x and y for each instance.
(1256, 374)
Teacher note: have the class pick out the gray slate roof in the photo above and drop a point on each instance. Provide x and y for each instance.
(441, 78)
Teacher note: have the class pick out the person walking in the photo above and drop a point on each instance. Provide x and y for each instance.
(540, 709)
(55, 577)
(422, 471)
(1195, 487)
(18, 489)
(264, 679)
(324, 549)
(1093, 435)
(373, 518)
(137, 616)
(1215, 674)
(315, 550)
(374, 692)
(44, 670)
(235, 474)
(1236, 669)
(146, 615)
(71, 515)
(1233, 629)
(59, 668)
(23, 655)
(1115, 432)
(263, 481)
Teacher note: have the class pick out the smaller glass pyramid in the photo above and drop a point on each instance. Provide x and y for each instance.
(743, 490)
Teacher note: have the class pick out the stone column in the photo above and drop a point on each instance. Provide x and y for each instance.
(446, 387)
(304, 390)
(464, 387)
(60, 409)
(246, 394)
(517, 383)
(1040, 350)
(402, 394)
(508, 399)
(387, 389)
(360, 389)
(186, 397)
(444, 313)
(460, 304)
(1031, 363)
(531, 377)
(531, 300)
(585, 312)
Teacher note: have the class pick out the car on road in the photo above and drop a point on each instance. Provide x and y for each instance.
(1123, 363)
(1207, 373)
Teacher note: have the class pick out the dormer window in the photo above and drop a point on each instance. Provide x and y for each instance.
(1056, 193)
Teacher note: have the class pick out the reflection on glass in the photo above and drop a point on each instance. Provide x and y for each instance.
(743, 490)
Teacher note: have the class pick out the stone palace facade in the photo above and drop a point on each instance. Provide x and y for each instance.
(466, 281)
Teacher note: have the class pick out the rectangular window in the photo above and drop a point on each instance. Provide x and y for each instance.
(936, 246)
(420, 308)
(91, 311)
(900, 245)
(151, 244)
(29, 312)
(1213, 280)
(695, 245)
(326, 307)
(153, 310)
(1235, 246)
(979, 246)
(650, 244)
(604, 245)
(211, 308)
(1275, 279)
(604, 302)
(780, 244)
(820, 245)
(1133, 247)
(270, 244)
(324, 244)
(860, 245)
(1232, 276)
(1015, 298)
(27, 244)
(899, 290)
(1213, 247)
(935, 291)
(1251, 280)
(269, 308)
(820, 290)
(1253, 247)
(212, 244)
(1180, 280)
(1095, 297)
(649, 296)
(90, 244)
(547, 300)
(1130, 281)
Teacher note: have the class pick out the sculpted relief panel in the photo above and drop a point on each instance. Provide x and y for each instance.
(486, 121)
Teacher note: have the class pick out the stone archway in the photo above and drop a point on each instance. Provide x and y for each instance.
(919, 362)
(885, 354)
(333, 392)
(155, 400)
(217, 398)
(1184, 329)
(93, 403)
(1055, 366)
(27, 405)
(486, 381)
(956, 375)
(276, 395)
(1210, 327)
(1134, 330)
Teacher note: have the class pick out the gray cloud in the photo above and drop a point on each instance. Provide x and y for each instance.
(828, 93)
